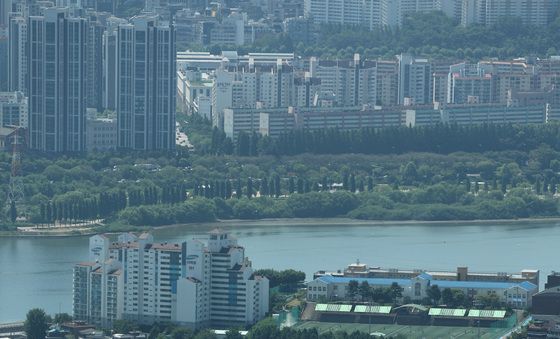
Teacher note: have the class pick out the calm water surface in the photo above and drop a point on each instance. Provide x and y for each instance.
(37, 272)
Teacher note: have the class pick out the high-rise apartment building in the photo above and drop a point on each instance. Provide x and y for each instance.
(146, 84)
(5, 9)
(251, 85)
(4, 48)
(344, 12)
(489, 12)
(17, 54)
(393, 12)
(57, 81)
(415, 76)
(375, 13)
(221, 285)
(351, 82)
(98, 285)
(109, 57)
(94, 66)
(193, 284)
(468, 85)
(387, 82)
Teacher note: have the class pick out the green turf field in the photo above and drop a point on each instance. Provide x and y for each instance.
(428, 332)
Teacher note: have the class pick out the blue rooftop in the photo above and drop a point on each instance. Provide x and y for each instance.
(526, 285)
(371, 281)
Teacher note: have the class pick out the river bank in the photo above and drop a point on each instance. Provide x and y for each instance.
(38, 271)
(82, 232)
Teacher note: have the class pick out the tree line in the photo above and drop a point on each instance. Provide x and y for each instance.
(439, 138)
(382, 295)
(78, 208)
(426, 34)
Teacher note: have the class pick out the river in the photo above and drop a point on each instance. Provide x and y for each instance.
(37, 272)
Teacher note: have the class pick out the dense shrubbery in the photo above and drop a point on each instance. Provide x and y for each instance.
(288, 278)
(438, 202)
(191, 211)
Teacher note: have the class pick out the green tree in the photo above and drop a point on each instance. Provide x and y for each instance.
(365, 290)
(61, 318)
(447, 297)
(249, 188)
(434, 294)
(353, 289)
(233, 334)
(36, 324)
(396, 291)
(409, 174)
(352, 183)
(182, 333)
(13, 211)
(124, 326)
(238, 189)
(264, 187)
(205, 334)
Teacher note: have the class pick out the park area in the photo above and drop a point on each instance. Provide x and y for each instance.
(409, 331)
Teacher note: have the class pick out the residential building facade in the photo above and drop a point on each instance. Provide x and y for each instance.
(57, 81)
(193, 283)
(146, 84)
(489, 12)
(13, 109)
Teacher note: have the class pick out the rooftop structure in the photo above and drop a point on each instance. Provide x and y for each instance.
(335, 288)
(361, 270)
(204, 61)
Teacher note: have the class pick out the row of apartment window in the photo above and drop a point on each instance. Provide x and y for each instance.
(315, 288)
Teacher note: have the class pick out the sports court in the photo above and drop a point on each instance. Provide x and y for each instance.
(428, 332)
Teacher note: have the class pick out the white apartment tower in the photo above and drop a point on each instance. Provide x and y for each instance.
(220, 278)
(344, 12)
(151, 272)
(192, 284)
(489, 12)
(98, 286)
(350, 82)
(57, 81)
(146, 84)
(251, 85)
(373, 13)
(393, 12)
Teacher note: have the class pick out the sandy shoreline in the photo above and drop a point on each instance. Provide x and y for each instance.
(292, 222)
